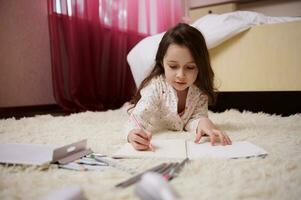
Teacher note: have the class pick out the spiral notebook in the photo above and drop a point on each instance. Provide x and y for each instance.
(177, 148)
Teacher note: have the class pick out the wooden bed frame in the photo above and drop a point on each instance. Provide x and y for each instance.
(260, 69)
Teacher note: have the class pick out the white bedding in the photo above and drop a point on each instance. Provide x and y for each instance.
(215, 28)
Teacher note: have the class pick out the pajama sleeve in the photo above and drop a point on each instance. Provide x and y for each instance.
(145, 109)
(200, 110)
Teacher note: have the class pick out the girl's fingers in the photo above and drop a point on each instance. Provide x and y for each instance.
(149, 135)
(150, 146)
(198, 137)
(224, 139)
(221, 137)
(137, 143)
(138, 136)
(212, 138)
(214, 135)
(141, 140)
(139, 147)
(142, 134)
(228, 139)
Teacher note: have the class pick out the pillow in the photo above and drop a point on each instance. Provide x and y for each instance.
(142, 56)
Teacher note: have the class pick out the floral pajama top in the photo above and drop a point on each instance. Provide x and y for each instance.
(158, 108)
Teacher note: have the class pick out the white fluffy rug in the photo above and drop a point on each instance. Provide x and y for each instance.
(278, 176)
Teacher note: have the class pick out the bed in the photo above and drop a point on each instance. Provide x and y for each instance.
(263, 58)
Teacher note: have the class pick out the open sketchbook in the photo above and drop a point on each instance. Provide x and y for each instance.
(177, 148)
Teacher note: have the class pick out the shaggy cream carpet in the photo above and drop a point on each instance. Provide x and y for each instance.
(278, 176)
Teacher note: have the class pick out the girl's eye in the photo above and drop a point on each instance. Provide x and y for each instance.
(191, 67)
(172, 66)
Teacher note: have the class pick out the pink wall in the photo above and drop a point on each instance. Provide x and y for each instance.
(25, 66)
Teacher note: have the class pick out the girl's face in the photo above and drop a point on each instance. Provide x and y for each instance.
(179, 67)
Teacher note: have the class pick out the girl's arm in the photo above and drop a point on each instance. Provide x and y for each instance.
(139, 136)
(203, 126)
(200, 110)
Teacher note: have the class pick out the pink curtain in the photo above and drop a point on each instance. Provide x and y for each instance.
(90, 40)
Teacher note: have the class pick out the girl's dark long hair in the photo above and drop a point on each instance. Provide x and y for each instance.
(190, 37)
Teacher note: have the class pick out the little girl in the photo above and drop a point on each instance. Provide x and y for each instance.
(176, 93)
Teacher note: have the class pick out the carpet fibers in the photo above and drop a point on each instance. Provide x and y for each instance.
(277, 176)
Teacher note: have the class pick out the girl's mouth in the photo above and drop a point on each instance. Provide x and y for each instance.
(180, 83)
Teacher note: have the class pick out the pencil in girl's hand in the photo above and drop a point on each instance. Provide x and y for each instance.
(136, 121)
(151, 147)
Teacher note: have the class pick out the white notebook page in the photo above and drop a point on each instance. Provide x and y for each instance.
(169, 148)
(236, 150)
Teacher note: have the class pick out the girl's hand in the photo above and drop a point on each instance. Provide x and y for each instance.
(206, 128)
(214, 135)
(140, 139)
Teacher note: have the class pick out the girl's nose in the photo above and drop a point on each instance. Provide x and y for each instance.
(180, 73)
